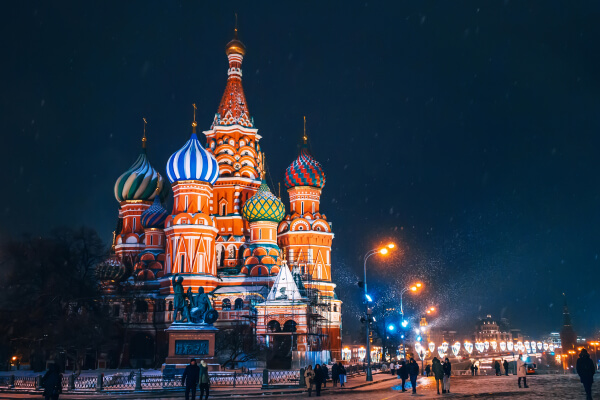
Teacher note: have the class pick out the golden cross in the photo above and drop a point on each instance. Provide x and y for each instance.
(305, 137)
(144, 138)
(194, 124)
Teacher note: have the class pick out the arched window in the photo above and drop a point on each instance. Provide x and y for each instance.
(273, 326)
(170, 306)
(223, 209)
(334, 308)
(238, 304)
(226, 305)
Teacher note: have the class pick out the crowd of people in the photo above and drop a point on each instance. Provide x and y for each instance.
(318, 377)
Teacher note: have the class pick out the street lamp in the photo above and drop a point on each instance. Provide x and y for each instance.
(412, 288)
(383, 251)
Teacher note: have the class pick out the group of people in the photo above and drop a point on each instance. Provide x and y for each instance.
(320, 374)
(192, 376)
(442, 372)
(404, 371)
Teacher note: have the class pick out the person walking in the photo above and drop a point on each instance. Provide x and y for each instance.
(52, 383)
(438, 373)
(342, 372)
(497, 367)
(309, 377)
(476, 367)
(413, 371)
(190, 378)
(335, 374)
(522, 371)
(403, 373)
(204, 379)
(428, 370)
(447, 372)
(319, 378)
(586, 370)
(325, 374)
(505, 365)
(393, 368)
(472, 369)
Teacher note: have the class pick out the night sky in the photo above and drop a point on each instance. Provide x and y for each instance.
(467, 132)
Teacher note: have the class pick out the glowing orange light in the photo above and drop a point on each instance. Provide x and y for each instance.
(391, 245)
(414, 288)
(432, 308)
(419, 284)
(383, 251)
(14, 358)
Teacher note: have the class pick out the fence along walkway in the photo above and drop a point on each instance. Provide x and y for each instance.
(136, 381)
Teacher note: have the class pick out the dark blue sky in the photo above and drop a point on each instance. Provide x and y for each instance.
(466, 131)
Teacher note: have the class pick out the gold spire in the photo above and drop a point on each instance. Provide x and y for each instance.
(304, 136)
(194, 124)
(235, 29)
(279, 190)
(144, 137)
(262, 169)
(235, 46)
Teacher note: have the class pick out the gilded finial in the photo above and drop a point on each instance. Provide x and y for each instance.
(279, 190)
(144, 137)
(235, 30)
(194, 124)
(262, 170)
(304, 136)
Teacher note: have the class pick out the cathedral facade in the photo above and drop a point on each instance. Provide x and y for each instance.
(229, 234)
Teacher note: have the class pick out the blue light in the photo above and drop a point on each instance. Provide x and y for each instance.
(368, 297)
(404, 323)
(391, 328)
(419, 338)
(402, 337)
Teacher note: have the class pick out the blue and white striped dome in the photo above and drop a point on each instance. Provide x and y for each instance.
(193, 163)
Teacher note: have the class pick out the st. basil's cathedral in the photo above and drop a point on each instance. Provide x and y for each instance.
(229, 234)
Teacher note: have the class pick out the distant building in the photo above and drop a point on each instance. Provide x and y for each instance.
(568, 337)
(489, 330)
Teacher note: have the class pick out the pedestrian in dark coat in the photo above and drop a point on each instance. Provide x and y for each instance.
(586, 370)
(204, 379)
(438, 373)
(52, 383)
(403, 373)
(427, 370)
(319, 378)
(447, 372)
(473, 369)
(497, 367)
(335, 374)
(505, 364)
(413, 371)
(190, 379)
(325, 374)
(342, 372)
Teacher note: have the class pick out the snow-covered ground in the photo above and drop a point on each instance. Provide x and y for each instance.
(491, 387)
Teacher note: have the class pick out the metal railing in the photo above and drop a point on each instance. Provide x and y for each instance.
(133, 381)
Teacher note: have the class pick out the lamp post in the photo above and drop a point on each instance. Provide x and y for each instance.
(412, 288)
(383, 251)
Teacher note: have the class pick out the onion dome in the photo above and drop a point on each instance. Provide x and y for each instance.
(304, 171)
(113, 269)
(155, 215)
(263, 206)
(192, 163)
(139, 182)
(235, 46)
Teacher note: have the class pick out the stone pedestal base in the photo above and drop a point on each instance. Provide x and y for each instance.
(187, 341)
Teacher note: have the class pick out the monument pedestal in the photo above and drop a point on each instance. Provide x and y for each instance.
(188, 340)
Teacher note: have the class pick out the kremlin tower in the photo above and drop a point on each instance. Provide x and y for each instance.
(228, 234)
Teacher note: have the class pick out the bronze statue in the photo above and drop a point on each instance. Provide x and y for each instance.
(178, 297)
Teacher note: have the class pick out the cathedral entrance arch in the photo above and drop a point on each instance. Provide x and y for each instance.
(279, 352)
